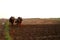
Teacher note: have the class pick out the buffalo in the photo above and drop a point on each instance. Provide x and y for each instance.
(11, 20)
(19, 20)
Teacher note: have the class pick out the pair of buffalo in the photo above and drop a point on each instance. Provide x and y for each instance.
(12, 20)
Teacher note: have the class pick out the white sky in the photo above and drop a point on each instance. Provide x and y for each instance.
(30, 8)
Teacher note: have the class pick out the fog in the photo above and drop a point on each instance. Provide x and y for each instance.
(30, 8)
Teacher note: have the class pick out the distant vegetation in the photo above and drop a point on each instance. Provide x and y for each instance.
(58, 19)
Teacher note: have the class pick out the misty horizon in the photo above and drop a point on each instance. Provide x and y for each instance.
(30, 8)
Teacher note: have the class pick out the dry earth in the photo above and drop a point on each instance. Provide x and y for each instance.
(39, 21)
(33, 29)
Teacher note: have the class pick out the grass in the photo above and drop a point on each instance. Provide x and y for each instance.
(7, 36)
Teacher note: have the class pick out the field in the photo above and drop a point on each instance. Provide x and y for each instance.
(33, 29)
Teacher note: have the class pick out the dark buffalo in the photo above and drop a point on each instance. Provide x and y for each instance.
(19, 20)
(11, 20)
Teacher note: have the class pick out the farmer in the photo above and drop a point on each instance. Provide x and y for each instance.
(19, 21)
(11, 20)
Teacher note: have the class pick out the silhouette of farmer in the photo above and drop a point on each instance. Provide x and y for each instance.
(19, 21)
(11, 20)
